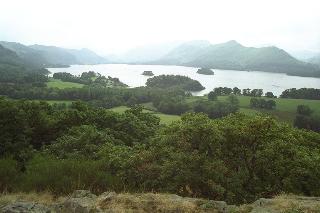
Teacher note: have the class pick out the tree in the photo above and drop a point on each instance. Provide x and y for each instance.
(246, 92)
(254, 103)
(270, 95)
(80, 142)
(236, 91)
(270, 104)
(262, 103)
(174, 81)
(304, 110)
(256, 92)
(306, 119)
(212, 96)
(221, 91)
(303, 93)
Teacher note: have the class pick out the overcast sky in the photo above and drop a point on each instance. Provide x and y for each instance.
(108, 26)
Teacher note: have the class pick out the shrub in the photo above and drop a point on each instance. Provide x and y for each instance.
(65, 176)
(8, 174)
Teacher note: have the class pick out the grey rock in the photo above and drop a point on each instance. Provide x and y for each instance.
(81, 201)
(106, 196)
(24, 207)
(83, 194)
(221, 206)
(262, 202)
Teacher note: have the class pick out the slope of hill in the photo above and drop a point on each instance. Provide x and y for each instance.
(185, 53)
(315, 60)
(86, 56)
(303, 55)
(28, 55)
(44, 56)
(12, 66)
(232, 55)
(55, 55)
(58, 55)
(9, 57)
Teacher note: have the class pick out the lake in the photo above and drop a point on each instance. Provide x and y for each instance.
(131, 75)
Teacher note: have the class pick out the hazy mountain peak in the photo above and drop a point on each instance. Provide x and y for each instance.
(233, 42)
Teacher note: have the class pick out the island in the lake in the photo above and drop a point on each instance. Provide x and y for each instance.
(205, 71)
(148, 73)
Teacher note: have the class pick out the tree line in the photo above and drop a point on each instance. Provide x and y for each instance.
(89, 78)
(303, 93)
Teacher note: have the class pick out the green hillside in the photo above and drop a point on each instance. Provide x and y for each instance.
(56, 83)
(58, 55)
(28, 55)
(9, 57)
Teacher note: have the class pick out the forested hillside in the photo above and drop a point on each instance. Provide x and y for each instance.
(58, 55)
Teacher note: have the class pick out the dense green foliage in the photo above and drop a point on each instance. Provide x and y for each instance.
(262, 103)
(89, 78)
(174, 81)
(221, 91)
(205, 71)
(212, 96)
(270, 95)
(217, 109)
(303, 93)
(306, 119)
(61, 150)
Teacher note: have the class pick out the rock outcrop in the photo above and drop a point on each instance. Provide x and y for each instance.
(83, 201)
(24, 207)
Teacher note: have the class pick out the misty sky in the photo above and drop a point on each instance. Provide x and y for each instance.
(113, 26)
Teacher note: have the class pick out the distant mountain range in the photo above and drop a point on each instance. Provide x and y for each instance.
(48, 56)
(234, 56)
(230, 55)
(304, 55)
(315, 59)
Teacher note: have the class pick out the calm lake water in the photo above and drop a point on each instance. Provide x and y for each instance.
(131, 75)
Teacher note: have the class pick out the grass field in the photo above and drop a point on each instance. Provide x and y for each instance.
(285, 108)
(56, 83)
(282, 104)
(59, 102)
(164, 118)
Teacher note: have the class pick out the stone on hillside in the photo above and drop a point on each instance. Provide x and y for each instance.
(83, 194)
(221, 206)
(81, 201)
(263, 202)
(106, 196)
(24, 207)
